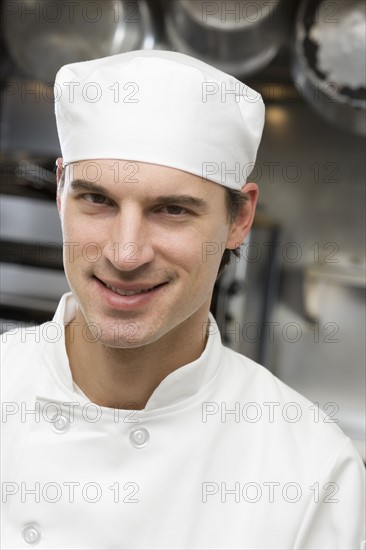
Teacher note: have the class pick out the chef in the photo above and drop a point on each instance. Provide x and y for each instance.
(126, 424)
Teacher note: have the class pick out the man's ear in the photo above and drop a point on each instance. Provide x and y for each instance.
(59, 164)
(240, 227)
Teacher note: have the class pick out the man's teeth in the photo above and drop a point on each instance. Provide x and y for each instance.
(127, 292)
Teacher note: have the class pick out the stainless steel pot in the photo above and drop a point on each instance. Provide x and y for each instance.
(239, 37)
(43, 36)
(329, 60)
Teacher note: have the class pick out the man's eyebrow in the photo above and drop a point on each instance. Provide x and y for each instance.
(182, 199)
(83, 185)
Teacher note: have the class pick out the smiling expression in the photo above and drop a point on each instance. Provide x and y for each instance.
(135, 236)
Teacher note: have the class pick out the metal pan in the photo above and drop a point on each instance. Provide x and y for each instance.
(239, 37)
(329, 60)
(43, 36)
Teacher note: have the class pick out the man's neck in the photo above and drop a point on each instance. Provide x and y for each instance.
(125, 378)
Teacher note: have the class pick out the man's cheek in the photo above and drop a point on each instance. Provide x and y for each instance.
(74, 252)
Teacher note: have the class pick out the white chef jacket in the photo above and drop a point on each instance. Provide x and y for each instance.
(224, 456)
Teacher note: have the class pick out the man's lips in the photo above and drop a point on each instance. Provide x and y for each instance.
(132, 287)
(119, 299)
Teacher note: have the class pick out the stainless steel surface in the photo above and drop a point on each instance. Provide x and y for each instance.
(247, 290)
(43, 36)
(341, 104)
(28, 126)
(239, 37)
(24, 282)
(311, 177)
(31, 274)
(25, 220)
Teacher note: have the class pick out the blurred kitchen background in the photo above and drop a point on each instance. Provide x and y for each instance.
(295, 300)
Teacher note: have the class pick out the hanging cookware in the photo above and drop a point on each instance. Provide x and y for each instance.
(43, 36)
(329, 65)
(238, 37)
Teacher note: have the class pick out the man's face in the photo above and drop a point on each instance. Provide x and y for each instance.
(148, 226)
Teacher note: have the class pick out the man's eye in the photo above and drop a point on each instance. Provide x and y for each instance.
(94, 198)
(175, 210)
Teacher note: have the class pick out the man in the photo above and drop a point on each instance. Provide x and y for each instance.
(127, 423)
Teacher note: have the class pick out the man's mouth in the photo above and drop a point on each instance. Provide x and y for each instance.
(129, 292)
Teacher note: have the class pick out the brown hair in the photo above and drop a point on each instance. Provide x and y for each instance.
(235, 199)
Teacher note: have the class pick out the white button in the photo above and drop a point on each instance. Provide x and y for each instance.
(31, 533)
(61, 424)
(139, 437)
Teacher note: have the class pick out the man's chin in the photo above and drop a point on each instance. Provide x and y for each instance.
(120, 334)
(123, 344)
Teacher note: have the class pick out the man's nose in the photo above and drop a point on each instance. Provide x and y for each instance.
(129, 245)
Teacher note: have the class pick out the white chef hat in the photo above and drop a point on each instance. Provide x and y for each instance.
(159, 107)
